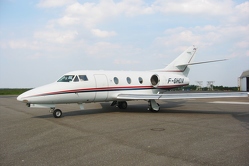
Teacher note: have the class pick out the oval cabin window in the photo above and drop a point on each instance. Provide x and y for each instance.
(115, 80)
(140, 80)
(128, 79)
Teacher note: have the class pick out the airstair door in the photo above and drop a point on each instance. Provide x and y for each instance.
(101, 87)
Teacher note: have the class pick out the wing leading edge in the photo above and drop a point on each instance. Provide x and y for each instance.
(179, 96)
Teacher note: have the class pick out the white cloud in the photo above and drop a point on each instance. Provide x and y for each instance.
(102, 49)
(125, 62)
(91, 14)
(56, 36)
(243, 44)
(241, 13)
(178, 38)
(54, 3)
(233, 38)
(207, 34)
(243, 8)
(67, 20)
(100, 33)
(134, 7)
(208, 7)
(20, 44)
(247, 53)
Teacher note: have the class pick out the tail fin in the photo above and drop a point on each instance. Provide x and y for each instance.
(180, 64)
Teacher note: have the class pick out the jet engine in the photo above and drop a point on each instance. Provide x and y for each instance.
(155, 80)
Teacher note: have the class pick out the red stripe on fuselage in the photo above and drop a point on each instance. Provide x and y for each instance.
(116, 88)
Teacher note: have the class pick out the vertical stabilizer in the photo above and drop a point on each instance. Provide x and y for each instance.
(180, 64)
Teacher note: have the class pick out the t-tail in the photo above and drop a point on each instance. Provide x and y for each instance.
(182, 62)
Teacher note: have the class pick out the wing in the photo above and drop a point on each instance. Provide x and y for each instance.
(179, 96)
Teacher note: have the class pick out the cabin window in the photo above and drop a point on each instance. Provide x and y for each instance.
(76, 79)
(128, 79)
(140, 80)
(66, 78)
(83, 78)
(115, 80)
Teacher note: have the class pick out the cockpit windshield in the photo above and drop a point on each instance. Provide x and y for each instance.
(73, 78)
(66, 78)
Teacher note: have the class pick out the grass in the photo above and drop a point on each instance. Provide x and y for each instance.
(16, 91)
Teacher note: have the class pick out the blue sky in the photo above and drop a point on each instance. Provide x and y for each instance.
(42, 40)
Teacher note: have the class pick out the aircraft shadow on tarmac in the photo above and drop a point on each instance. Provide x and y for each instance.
(167, 107)
(106, 108)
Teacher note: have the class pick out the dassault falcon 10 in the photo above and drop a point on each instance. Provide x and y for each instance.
(119, 87)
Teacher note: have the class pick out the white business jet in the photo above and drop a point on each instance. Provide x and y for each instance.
(119, 86)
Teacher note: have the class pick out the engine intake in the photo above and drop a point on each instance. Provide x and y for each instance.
(154, 80)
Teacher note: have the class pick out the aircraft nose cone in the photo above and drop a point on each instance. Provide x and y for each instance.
(19, 98)
(22, 98)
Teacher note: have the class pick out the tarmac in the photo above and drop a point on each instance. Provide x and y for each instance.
(184, 132)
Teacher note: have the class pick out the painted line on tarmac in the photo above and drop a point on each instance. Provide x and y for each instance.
(227, 102)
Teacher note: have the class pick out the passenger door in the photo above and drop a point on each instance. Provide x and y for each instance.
(101, 82)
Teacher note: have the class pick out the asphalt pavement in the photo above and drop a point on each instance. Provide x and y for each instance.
(184, 132)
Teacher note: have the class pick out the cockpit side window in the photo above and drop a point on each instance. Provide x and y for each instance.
(76, 79)
(66, 78)
(83, 77)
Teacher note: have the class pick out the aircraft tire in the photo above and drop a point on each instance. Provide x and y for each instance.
(122, 105)
(57, 113)
(153, 110)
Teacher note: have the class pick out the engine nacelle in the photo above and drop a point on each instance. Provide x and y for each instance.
(155, 80)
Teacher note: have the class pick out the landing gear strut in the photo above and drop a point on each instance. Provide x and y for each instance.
(153, 106)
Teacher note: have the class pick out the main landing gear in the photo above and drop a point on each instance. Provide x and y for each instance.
(153, 106)
(120, 104)
(57, 113)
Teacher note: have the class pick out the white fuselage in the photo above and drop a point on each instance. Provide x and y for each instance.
(102, 86)
(118, 86)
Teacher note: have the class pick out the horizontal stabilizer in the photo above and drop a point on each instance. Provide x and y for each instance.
(196, 63)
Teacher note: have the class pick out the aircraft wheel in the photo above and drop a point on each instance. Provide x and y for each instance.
(154, 110)
(57, 113)
(122, 105)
